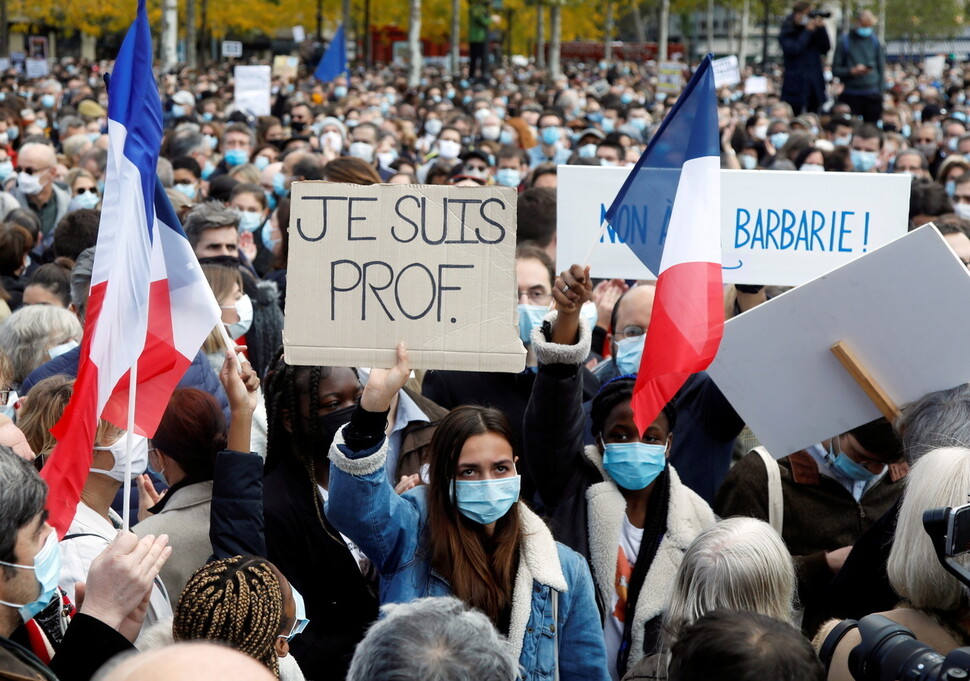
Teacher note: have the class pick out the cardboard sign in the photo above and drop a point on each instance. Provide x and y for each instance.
(777, 227)
(933, 66)
(231, 48)
(726, 71)
(285, 66)
(252, 86)
(776, 368)
(670, 77)
(433, 266)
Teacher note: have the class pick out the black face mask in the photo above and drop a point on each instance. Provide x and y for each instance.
(297, 126)
(322, 429)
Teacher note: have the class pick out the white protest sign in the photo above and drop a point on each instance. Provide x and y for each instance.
(36, 68)
(670, 77)
(252, 85)
(903, 310)
(231, 48)
(299, 34)
(777, 227)
(433, 266)
(933, 66)
(726, 71)
(755, 85)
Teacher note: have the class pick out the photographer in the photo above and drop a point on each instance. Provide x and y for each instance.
(804, 42)
(935, 604)
(860, 64)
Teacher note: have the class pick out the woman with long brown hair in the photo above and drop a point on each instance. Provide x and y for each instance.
(465, 534)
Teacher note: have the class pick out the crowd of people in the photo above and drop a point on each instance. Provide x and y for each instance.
(332, 522)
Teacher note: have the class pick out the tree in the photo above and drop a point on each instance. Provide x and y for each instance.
(414, 43)
(555, 43)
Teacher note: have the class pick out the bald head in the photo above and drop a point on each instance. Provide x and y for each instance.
(35, 155)
(187, 662)
(867, 18)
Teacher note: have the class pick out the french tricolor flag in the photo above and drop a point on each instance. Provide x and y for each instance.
(677, 180)
(150, 306)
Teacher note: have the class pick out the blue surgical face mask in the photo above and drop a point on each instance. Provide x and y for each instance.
(47, 101)
(249, 221)
(508, 177)
(267, 236)
(12, 133)
(207, 116)
(506, 138)
(236, 157)
(778, 139)
(47, 570)
(863, 161)
(951, 188)
(485, 501)
(639, 124)
(846, 467)
(587, 151)
(340, 91)
(595, 116)
(212, 141)
(10, 408)
(530, 316)
(270, 200)
(609, 125)
(864, 31)
(178, 111)
(207, 170)
(186, 188)
(628, 353)
(85, 200)
(6, 169)
(300, 621)
(261, 162)
(279, 185)
(550, 134)
(634, 465)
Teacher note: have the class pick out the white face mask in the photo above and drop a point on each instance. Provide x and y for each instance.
(363, 151)
(812, 168)
(139, 457)
(491, 132)
(243, 308)
(962, 210)
(332, 140)
(29, 185)
(448, 149)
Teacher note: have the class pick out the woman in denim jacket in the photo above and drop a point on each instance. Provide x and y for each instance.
(465, 534)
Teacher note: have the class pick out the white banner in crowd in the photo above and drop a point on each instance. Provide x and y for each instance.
(670, 77)
(252, 84)
(903, 310)
(232, 48)
(434, 266)
(777, 227)
(726, 71)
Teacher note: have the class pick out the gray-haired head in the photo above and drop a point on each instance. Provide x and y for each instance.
(938, 419)
(22, 497)
(433, 639)
(166, 175)
(81, 280)
(208, 215)
(31, 331)
(185, 143)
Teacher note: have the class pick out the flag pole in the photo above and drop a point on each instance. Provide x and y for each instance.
(599, 237)
(129, 445)
(230, 346)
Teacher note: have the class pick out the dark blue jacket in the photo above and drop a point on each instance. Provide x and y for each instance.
(198, 375)
(803, 51)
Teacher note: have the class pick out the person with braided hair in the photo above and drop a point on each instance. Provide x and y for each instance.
(236, 601)
(617, 502)
(305, 406)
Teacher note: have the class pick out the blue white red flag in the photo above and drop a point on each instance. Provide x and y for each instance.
(676, 183)
(149, 301)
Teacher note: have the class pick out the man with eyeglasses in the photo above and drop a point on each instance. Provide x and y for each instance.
(36, 191)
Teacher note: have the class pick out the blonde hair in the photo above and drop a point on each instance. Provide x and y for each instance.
(43, 408)
(939, 478)
(736, 564)
(221, 279)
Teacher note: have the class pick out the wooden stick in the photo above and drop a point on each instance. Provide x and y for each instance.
(861, 375)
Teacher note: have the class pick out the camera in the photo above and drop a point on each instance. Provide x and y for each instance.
(819, 14)
(890, 651)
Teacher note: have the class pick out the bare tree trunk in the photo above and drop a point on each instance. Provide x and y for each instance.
(710, 26)
(170, 34)
(743, 42)
(664, 29)
(881, 26)
(638, 28)
(345, 13)
(414, 43)
(455, 38)
(555, 29)
(4, 28)
(191, 35)
(608, 37)
(540, 35)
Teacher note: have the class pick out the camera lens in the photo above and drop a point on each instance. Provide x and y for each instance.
(889, 652)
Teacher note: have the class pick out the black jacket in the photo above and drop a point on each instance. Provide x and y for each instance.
(311, 554)
(803, 51)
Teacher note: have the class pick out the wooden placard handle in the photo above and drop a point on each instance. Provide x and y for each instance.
(861, 375)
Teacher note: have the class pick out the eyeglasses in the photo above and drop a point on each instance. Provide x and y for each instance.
(925, 140)
(536, 296)
(85, 190)
(631, 331)
(31, 171)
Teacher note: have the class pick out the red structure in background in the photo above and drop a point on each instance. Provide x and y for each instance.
(384, 37)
